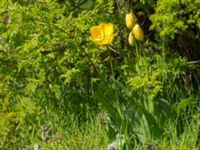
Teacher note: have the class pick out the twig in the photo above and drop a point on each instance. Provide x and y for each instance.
(194, 62)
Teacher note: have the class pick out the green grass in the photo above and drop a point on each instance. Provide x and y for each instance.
(64, 131)
(55, 130)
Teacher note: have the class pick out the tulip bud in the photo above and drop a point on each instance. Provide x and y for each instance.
(138, 33)
(131, 39)
(130, 21)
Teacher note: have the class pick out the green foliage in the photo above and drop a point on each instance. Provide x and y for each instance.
(58, 90)
(45, 55)
(44, 44)
(178, 21)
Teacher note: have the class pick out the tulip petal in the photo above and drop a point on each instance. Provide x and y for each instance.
(102, 34)
(108, 29)
(96, 33)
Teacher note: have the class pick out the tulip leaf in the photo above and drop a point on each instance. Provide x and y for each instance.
(183, 104)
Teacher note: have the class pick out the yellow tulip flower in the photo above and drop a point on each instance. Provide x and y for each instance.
(138, 32)
(130, 21)
(102, 34)
(131, 39)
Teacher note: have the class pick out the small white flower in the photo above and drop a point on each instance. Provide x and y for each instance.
(36, 147)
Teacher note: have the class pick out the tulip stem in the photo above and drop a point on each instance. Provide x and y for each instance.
(136, 49)
(113, 76)
(111, 67)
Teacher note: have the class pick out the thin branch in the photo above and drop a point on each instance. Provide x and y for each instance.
(87, 55)
(194, 62)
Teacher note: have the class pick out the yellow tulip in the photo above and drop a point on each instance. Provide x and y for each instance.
(131, 39)
(130, 21)
(102, 34)
(138, 33)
